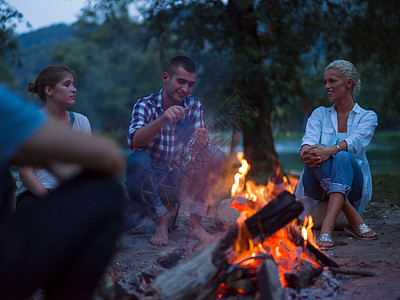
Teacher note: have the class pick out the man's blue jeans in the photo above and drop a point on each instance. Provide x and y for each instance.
(155, 186)
(340, 173)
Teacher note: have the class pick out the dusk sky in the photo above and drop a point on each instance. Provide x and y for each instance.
(42, 13)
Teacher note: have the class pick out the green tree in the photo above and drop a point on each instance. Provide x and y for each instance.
(113, 72)
(270, 53)
(265, 47)
(372, 40)
(9, 18)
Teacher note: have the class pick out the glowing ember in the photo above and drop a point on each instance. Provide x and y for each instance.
(285, 253)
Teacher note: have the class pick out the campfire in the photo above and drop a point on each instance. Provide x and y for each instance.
(268, 249)
(266, 253)
(280, 248)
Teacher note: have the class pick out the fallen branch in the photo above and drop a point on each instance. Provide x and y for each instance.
(352, 272)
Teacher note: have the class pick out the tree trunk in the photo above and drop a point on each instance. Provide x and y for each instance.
(251, 82)
(259, 148)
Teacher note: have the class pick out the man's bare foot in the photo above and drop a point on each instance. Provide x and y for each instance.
(198, 232)
(160, 237)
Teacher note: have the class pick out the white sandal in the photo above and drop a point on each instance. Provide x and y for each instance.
(325, 238)
(361, 231)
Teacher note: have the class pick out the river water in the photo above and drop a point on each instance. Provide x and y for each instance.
(383, 154)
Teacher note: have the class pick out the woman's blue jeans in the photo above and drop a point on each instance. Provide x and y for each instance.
(340, 173)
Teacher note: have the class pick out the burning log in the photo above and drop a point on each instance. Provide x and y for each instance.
(302, 274)
(310, 249)
(241, 279)
(320, 257)
(197, 274)
(269, 284)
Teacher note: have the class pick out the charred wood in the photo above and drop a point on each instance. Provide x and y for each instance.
(243, 279)
(272, 217)
(198, 273)
(309, 249)
(269, 285)
(302, 275)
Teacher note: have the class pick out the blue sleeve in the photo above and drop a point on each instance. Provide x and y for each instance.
(139, 118)
(18, 121)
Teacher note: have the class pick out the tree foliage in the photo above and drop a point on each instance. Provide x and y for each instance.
(268, 54)
(9, 17)
(112, 69)
(372, 39)
(35, 50)
(261, 49)
(274, 52)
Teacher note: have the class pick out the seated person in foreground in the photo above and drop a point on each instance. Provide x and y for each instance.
(333, 150)
(63, 242)
(171, 151)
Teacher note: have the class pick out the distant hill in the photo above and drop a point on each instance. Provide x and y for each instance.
(35, 49)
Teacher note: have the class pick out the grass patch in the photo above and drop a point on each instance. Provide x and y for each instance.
(386, 188)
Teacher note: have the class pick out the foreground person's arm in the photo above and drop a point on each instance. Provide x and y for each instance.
(53, 144)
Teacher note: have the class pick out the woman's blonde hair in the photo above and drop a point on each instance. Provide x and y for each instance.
(348, 71)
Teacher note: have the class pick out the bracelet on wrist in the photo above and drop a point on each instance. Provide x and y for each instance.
(338, 147)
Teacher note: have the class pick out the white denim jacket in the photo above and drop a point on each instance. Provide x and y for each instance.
(322, 128)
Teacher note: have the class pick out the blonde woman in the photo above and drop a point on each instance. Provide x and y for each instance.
(333, 151)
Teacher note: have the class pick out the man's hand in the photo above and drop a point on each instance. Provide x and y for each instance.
(201, 137)
(64, 171)
(143, 136)
(174, 113)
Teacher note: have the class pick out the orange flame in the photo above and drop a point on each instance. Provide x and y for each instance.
(283, 250)
(238, 185)
(306, 231)
(261, 194)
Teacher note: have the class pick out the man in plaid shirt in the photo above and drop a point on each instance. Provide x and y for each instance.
(171, 149)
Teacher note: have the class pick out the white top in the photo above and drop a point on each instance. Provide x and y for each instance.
(81, 123)
(341, 136)
(322, 128)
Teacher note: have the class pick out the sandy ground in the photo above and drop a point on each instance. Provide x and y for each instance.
(381, 256)
(136, 255)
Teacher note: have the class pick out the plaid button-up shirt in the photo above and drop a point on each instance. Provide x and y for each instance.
(172, 146)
